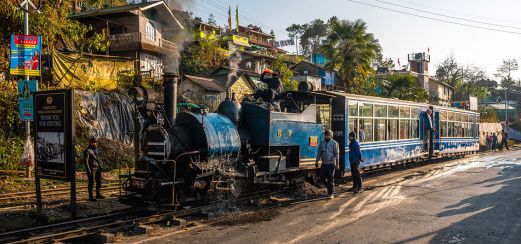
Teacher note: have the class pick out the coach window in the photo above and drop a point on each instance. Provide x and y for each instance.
(353, 117)
(380, 122)
(451, 124)
(393, 122)
(405, 123)
(365, 133)
(415, 123)
(444, 124)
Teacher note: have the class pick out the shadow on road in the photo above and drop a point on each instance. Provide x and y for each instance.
(494, 217)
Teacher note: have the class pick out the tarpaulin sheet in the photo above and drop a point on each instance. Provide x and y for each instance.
(106, 114)
(88, 72)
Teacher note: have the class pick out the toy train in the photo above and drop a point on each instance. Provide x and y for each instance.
(186, 154)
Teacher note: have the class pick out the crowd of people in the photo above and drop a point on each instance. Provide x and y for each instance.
(492, 142)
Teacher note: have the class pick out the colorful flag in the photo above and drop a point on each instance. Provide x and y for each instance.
(230, 18)
(237, 18)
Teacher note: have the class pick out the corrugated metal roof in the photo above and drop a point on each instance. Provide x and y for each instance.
(210, 84)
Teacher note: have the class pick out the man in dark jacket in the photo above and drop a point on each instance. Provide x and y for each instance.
(355, 158)
(504, 140)
(274, 86)
(329, 154)
(93, 168)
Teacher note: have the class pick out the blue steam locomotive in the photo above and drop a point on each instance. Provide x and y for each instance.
(187, 153)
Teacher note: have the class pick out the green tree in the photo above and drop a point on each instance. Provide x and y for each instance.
(351, 50)
(312, 36)
(449, 71)
(468, 86)
(504, 73)
(286, 75)
(405, 87)
(202, 57)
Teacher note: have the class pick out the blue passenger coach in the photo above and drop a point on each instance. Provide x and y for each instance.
(392, 131)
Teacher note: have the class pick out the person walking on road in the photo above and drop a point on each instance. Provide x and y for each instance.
(355, 158)
(93, 168)
(488, 141)
(329, 154)
(494, 141)
(504, 140)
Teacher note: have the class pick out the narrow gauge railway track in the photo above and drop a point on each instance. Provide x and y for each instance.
(16, 199)
(81, 228)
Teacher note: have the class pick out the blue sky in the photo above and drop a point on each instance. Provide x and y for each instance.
(399, 34)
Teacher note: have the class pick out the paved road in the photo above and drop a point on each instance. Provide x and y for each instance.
(476, 201)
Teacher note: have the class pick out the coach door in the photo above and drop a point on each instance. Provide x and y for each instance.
(437, 133)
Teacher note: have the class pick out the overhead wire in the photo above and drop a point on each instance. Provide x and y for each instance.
(449, 16)
(435, 19)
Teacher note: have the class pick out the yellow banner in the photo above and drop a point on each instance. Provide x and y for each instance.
(89, 72)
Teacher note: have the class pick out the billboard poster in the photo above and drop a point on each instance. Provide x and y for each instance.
(25, 55)
(26, 89)
(54, 129)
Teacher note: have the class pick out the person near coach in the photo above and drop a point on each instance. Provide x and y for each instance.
(328, 152)
(355, 158)
(93, 168)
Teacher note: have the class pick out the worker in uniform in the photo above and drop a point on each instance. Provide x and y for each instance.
(93, 168)
(355, 158)
(429, 130)
(329, 154)
(274, 86)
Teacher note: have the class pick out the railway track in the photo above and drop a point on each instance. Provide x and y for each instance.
(20, 199)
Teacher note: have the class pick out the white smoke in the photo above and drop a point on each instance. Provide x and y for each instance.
(234, 61)
(181, 37)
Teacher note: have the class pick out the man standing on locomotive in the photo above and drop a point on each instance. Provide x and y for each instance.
(274, 86)
(329, 154)
(93, 168)
(355, 158)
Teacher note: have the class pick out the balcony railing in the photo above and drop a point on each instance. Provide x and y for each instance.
(133, 40)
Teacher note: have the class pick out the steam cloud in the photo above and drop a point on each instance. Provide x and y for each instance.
(181, 38)
(234, 60)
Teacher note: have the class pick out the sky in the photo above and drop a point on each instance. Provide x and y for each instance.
(399, 33)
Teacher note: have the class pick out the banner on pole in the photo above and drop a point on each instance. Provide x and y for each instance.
(26, 89)
(25, 55)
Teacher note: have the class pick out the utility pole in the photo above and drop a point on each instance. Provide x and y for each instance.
(27, 123)
(506, 111)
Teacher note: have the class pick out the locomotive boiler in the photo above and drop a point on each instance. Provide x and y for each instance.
(184, 155)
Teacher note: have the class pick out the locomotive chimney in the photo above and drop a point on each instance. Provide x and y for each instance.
(170, 97)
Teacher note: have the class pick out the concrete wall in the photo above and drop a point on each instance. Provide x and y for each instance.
(489, 128)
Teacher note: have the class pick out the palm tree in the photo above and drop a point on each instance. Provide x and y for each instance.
(351, 50)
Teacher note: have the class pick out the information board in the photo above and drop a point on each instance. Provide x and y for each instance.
(54, 131)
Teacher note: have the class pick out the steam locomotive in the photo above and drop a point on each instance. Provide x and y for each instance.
(186, 154)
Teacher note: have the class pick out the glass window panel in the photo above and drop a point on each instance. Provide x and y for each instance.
(405, 126)
(458, 117)
(365, 133)
(324, 115)
(451, 116)
(392, 129)
(394, 111)
(379, 129)
(443, 115)
(353, 109)
(457, 130)
(366, 110)
(405, 112)
(444, 129)
(415, 113)
(451, 129)
(353, 126)
(415, 129)
(380, 111)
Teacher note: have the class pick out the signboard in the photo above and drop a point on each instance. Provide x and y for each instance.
(473, 103)
(26, 89)
(54, 131)
(25, 55)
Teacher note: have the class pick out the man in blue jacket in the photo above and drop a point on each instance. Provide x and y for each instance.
(329, 154)
(355, 158)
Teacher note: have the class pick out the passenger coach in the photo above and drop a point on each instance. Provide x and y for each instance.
(392, 131)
